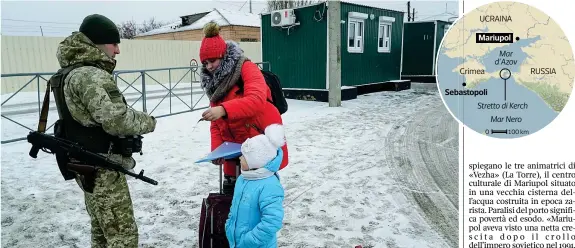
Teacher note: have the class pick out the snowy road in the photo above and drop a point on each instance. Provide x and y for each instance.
(381, 171)
(423, 155)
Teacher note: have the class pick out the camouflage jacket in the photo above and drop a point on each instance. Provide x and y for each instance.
(92, 96)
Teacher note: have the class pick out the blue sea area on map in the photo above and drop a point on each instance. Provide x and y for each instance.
(509, 99)
(517, 55)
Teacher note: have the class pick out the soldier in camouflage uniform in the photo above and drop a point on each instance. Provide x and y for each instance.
(94, 100)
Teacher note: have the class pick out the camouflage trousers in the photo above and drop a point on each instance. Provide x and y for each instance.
(111, 212)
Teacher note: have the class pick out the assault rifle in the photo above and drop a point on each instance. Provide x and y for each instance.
(56, 145)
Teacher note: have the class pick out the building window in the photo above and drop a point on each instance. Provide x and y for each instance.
(384, 34)
(355, 32)
(355, 35)
(384, 38)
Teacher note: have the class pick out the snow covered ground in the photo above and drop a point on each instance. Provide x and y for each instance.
(381, 171)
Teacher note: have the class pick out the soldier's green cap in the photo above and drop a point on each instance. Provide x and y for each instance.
(100, 30)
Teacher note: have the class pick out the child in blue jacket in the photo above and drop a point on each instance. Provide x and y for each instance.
(256, 214)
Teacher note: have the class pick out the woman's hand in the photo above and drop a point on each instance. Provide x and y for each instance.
(219, 161)
(214, 113)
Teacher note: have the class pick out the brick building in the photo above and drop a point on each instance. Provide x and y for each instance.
(235, 25)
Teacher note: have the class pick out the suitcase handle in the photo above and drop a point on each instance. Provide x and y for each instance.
(221, 182)
(238, 167)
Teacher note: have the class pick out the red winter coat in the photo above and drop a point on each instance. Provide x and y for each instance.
(243, 110)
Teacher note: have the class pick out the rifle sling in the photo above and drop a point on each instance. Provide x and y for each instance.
(44, 112)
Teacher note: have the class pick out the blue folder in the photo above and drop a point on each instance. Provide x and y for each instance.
(227, 150)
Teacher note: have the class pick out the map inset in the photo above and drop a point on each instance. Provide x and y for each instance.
(505, 70)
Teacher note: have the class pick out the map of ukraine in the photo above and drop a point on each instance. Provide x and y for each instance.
(543, 63)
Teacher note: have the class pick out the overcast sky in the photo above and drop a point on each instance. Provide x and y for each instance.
(33, 18)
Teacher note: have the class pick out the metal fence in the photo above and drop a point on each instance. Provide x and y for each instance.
(151, 89)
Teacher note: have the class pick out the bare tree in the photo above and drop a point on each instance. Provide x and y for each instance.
(288, 4)
(151, 25)
(128, 30)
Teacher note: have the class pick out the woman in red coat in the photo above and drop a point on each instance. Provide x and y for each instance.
(235, 114)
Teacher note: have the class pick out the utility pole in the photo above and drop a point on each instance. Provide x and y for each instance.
(413, 15)
(408, 11)
(41, 31)
(334, 63)
(250, 6)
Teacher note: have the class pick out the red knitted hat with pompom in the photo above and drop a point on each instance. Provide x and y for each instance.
(213, 46)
